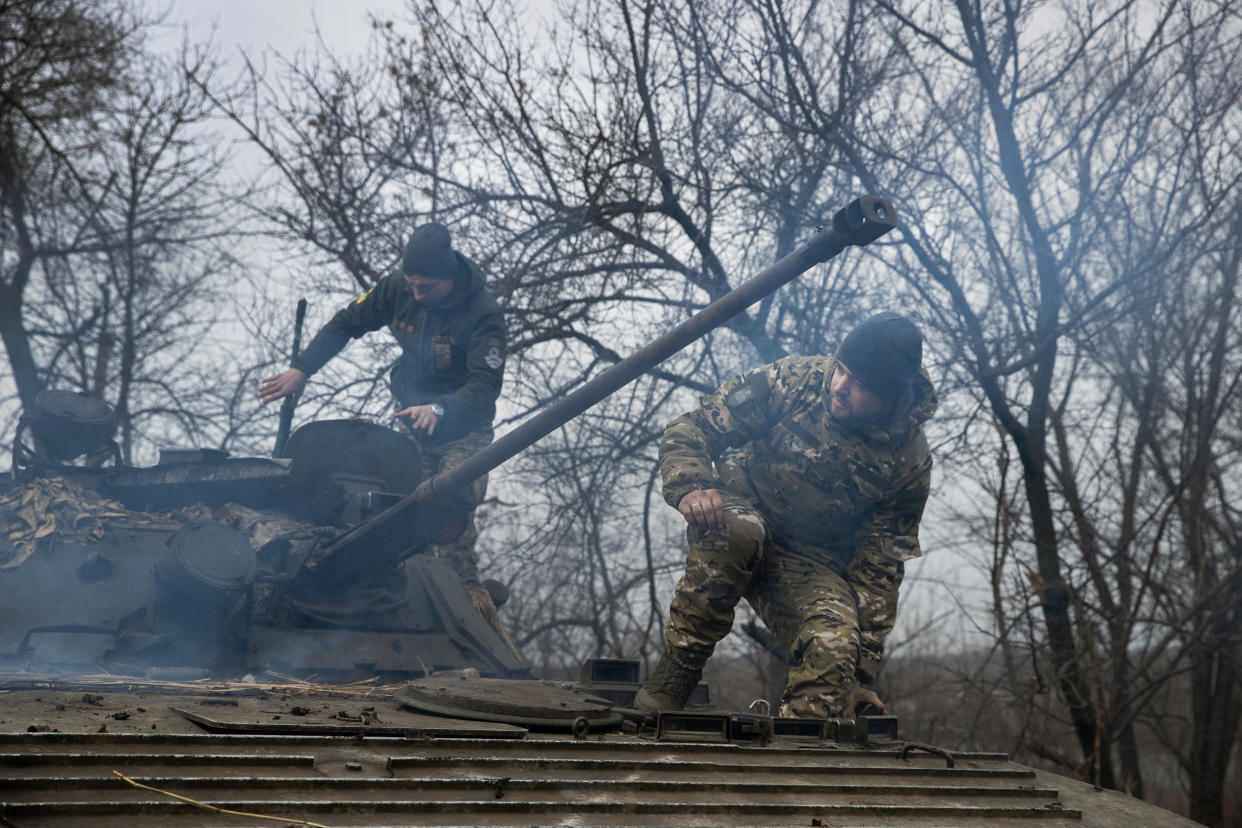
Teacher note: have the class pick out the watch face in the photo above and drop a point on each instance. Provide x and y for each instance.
(437, 409)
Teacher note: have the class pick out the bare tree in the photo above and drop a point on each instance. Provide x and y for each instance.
(608, 188)
(1042, 157)
(1174, 545)
(113, 220)
(324, 127)
(624, 186)
(59, 62)
(161, 278)
(1049, 169)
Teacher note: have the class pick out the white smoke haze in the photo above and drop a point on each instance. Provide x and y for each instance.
(1080, 201)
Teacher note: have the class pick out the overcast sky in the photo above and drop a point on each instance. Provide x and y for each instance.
(282, 25)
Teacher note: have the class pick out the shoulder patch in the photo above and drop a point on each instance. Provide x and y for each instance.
(493, 359)
(753, 391)
(743, 394)
(363, 297)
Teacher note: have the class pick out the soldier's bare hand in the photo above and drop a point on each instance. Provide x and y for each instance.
(703, 508)
(861, 695)
(419, 417)
(284, 384)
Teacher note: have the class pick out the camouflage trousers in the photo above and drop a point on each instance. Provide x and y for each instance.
(439, 457)
(805, 599)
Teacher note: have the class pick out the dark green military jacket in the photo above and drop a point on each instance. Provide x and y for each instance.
(852, 497)
(452, 353)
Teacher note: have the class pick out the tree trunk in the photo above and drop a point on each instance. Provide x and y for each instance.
(1131, 770)
(1054, 600)
(12, 289)
(17, 345)
(1216, 702)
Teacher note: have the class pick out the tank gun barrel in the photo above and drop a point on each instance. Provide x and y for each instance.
(385, 536)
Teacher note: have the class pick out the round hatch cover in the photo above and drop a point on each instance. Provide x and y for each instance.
(70, 423)
(215, 555)
(512, 701)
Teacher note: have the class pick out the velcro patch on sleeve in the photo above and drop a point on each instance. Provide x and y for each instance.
(752, 392)
(494, 358)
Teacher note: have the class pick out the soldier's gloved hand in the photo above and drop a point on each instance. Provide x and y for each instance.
(419, 417)
(862, 696)
(287, 383)
(703, 508)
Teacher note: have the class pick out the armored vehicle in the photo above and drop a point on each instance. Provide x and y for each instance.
(247, 641)
(198, 565)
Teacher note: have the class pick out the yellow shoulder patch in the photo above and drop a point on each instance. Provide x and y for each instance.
(363, 297)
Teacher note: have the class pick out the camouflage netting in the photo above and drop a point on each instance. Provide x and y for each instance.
(45, 509)
(260, 527)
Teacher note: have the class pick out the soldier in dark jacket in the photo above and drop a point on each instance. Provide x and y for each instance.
(803, 483)
(452, 336)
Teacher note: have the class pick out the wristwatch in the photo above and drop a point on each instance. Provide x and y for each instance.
(437, 409)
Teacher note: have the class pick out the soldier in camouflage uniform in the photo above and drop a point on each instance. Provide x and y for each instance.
(803, 483)
(452, 336)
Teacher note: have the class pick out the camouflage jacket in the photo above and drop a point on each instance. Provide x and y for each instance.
(852, 497)
(452, 353)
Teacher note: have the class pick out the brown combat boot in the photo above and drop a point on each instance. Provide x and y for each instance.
(668, 686)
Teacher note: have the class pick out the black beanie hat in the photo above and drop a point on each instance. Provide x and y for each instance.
(430, 253)
(884, 353)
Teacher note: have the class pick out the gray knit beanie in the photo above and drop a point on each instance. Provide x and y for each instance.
(430, 253)
(884, 353)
